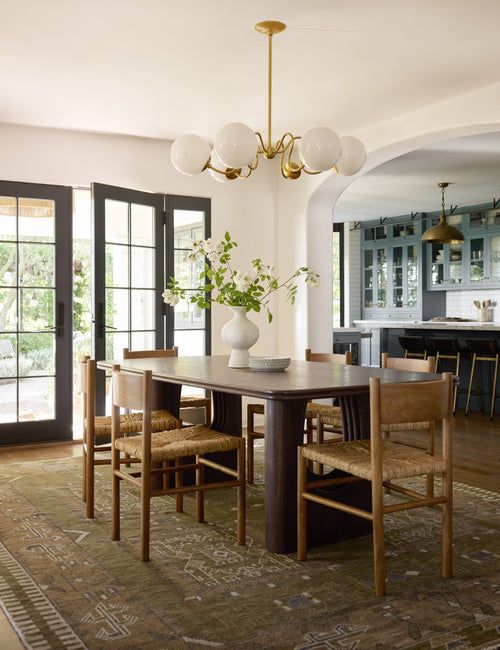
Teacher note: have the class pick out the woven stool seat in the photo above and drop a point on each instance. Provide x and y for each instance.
(132, 423)
(398, 461)
(177, 443)
(406, 426)
(194, 401)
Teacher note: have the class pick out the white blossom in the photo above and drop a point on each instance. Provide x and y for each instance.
(242, 281)
(170, 297)
(312, 279)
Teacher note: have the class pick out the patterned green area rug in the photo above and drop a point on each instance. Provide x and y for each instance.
(65, 584)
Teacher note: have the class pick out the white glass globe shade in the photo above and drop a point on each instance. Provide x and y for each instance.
(353, 156)
(236, 145)
(189, 154)
(217, 162)
(319, 149)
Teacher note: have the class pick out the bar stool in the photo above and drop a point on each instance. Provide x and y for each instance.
(414, 346)
(483, 350)
(446, 349)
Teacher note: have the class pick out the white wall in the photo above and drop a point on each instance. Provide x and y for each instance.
(247, 208)
(460, 303)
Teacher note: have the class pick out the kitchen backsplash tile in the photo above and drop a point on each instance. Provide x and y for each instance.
(460, 303)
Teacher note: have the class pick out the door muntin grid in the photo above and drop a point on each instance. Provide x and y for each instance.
(27, 309)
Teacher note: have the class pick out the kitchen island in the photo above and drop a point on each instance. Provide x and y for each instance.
(385, 338)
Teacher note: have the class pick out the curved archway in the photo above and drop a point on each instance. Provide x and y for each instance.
(320, 217)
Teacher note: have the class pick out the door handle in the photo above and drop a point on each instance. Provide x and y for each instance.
(59, 326)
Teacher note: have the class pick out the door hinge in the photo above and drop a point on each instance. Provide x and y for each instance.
(164, 215)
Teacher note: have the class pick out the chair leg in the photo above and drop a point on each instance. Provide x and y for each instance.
(469, 391)
(430, 450)
(208, 414)
(89, 474)
(179, 480)
(320, 434)
(250, 444)
(455, 392)
(115, 495)
(301, 507)
(200, 495)
(145, 508)
(84, 473)
(378, 537)
(241, 525)
(447, 511)
(494, 389)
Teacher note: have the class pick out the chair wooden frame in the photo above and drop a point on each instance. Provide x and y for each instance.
(253, 409)
(412, 365)
(205, 402)
(87, 387)
(135, 392)
(389, 404)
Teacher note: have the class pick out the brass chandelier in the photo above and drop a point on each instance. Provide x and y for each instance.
(237, 149)
(443, 232)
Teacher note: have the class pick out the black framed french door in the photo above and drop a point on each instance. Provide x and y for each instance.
(187, 218)
(129, 274)
(35, 313)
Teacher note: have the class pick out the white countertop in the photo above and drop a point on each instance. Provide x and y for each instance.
(446, 325)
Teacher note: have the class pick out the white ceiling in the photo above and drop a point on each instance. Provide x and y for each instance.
(160, 68)
(409, 183)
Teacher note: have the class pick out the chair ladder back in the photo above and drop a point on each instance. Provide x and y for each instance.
(328, 357)
(142, 354)
(417, 401)
(408, 363)
(128, 389)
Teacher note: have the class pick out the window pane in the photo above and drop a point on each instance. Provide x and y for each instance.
(37, 309)
(8, 400)
(8, 366)
(142, 265)
(36, 220)
(8, 310)
(36, 398)
(8, 263)
(187, 273)
(36, 265)
(36, 354)
(143, 340)
(142, 220)
(8, 210)
(143, 309)
(190, 344)
(117, 308)
(115, 344)
(188, 219)
(188, 315)
(116, 264)
(116, 229)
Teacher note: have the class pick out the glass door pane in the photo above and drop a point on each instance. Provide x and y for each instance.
(437, 264)
(412, 276)
(381, 277)
(35, 313)
(397, 277)
(476, 256)
(129, 276)
(188, 220)
(495, 258)
(368, 278)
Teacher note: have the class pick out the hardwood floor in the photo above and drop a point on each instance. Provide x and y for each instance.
(476, 451)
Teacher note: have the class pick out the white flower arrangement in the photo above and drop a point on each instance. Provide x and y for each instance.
(234, 288)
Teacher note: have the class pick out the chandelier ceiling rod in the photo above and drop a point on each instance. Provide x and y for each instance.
(236, 149)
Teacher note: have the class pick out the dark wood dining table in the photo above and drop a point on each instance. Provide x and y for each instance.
(286, 395)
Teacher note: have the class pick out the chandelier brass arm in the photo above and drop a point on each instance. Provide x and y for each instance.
(237, 148)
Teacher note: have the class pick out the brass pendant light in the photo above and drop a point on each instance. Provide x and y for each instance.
(443, 232)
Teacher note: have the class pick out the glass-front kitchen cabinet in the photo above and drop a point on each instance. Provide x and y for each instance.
(390, 273)
(473, 264)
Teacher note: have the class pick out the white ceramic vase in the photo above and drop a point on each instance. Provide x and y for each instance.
(239, 334)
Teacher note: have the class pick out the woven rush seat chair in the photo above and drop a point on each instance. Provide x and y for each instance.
(97, 430)
(381, 461)
(333, 414)
(411, 365)
(187, 401)
(167, 447)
